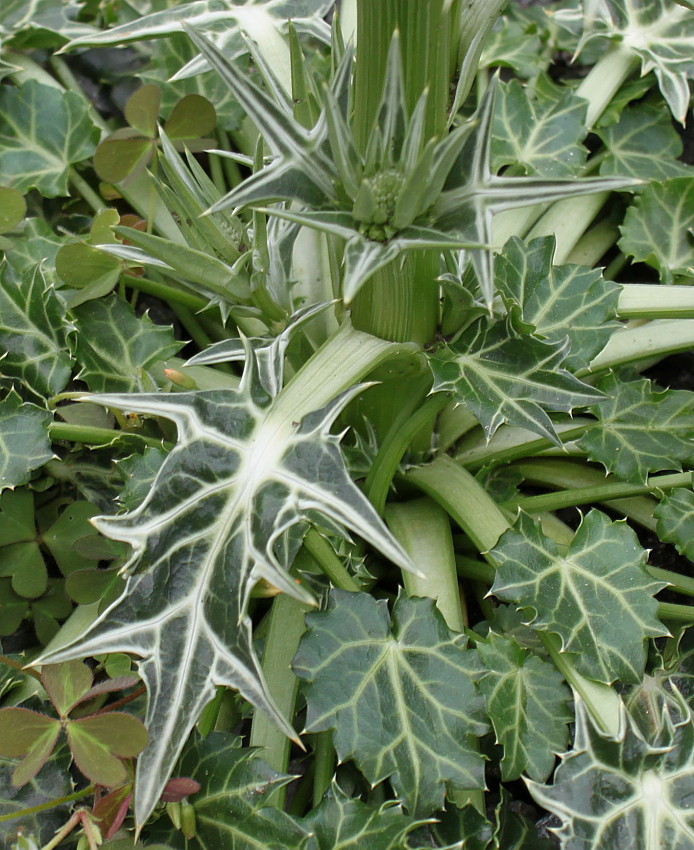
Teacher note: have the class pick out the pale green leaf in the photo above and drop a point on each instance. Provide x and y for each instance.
(224, 511)
(24, 440)
(231, 806)
(503, 376)
(625, 793)
(512, 44)
(597, 595)
(116, 348)
(660, 34)
(657, 228)
(33, 332)
(675, 515)
(43, 131)
(640, 430)
(39, 23)
(558, 301)
(643, 144)
(528, 704)
(542, 135)
(406, 700)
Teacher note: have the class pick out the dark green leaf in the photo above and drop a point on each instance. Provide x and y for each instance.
(675, 515)
(640, 430)
(643, 144)
(17, 517)
(528, 704)
(597, 595)
(656, 228)
(558, 301)
(24, 441)
(340, 821)
(33, 332)
(60, 538)
(503, 376)
(138, 472)
(43, 131)
(624, 793)
(36, 243)
(244, 473)
(542, 135)
(24, 562)
(235, 785)
(405, 701)
(115, 347)
(51, 783)
(116, 159)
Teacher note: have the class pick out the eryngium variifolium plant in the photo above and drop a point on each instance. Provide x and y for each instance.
(346, 430)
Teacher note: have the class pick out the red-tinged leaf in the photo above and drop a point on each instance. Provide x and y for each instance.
(20, 728)
(121, 734)
(111, 809)
(192, 117)
(66, 684)
(121, 683)
(93, 758)
(142, 109)
(179, 788)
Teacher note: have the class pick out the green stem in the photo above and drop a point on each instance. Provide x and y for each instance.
(324, 765)
(166, 293)
(676, 613)
(654, 301)
(324, 554)
(468, 503)
(424, 530)
(567, 221)
(97, 436)
(16, 665)
(594, 244)
(541, 472)
(396, 442)
(633, 345)
(286, 626)
(51, 804)
(604, 81)
(192, 325)
(89, 195)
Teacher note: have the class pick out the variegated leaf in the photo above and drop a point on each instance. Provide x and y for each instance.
(225, 510)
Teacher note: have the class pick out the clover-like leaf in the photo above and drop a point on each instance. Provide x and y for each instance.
(657, 228)
(643, 143)
(27, 735)
(24, 441)
(541, 135)
(675, 515)
(116, 348)
(649, 799)
(43, 131)
(33, 332)
(528, 704)
(407, 698)
(558, 301)
(231, 805)
(99, 742)
(244, 474)
(503, 376)
(597, 596)
(640, 430)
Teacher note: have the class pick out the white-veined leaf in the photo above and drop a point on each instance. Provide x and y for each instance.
(224, 511)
